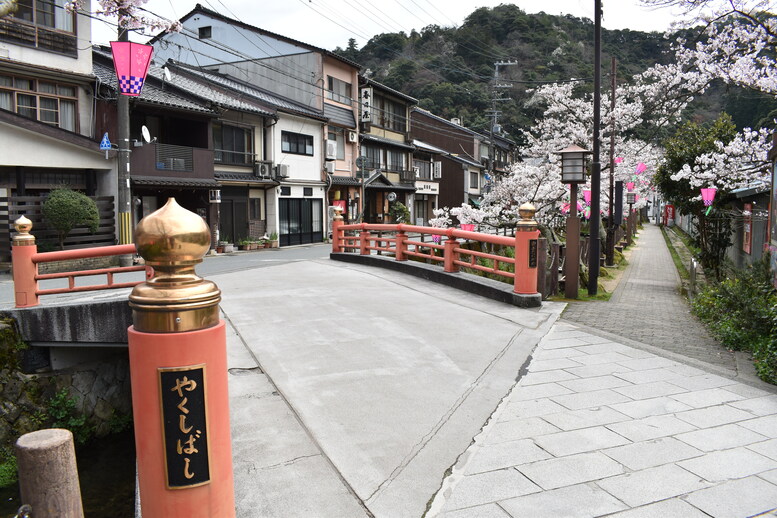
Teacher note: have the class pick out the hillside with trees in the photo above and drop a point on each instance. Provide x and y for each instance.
(451, 70)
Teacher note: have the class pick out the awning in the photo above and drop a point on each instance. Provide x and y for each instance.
(366, 137)
(475, 201)
(345, 180)
(166, 181)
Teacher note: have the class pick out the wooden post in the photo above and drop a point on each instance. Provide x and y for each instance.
(178, 369)
(554, 261)
(48, 478)
(526, 247)
(24, 270)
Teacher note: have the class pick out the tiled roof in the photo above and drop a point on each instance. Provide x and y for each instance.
(152, 91)
(224, 176)
(423, 146)
(345, 180)
(465, 160)
(255, 94)
(166, 181)
(386, 141)
(339, 115)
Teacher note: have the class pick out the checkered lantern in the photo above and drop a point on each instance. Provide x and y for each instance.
(131, 60)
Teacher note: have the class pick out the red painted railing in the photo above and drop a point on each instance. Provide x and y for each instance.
(26, 258)
(365, 242)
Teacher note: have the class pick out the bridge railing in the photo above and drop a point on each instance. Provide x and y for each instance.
(26, 259)
(366, 238)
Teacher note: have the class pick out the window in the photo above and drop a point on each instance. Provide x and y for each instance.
(286, 191)
(474, 180)
(44, 24)
(233, 144)
(337, 135)
(338, 90)
(45, 101)
(389, 114)
(373, 155)
(396, 161)
(204, 33)
(296, 143)
(255, 208)
(307, 191)
(424, 169)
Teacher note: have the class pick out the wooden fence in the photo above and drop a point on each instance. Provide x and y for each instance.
(46, 238)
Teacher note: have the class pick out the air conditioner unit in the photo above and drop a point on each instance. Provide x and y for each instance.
(437, 170)
(175, 164)
(282, 171)
(331, 149)
(417, 171)
(329, 167)
(353, 137)
(263, 170)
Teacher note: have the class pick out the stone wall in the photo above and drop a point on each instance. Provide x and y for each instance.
(77, 265)
(101, 390)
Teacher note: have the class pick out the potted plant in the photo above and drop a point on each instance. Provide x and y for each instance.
(273, 240)
(244, 243)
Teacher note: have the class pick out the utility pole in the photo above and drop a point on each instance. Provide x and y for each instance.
(123, 166)
(494, 113)
(596, 166)
(610, 250)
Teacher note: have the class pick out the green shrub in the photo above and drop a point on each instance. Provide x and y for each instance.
(63, 414)
(741, 313)
(65, 209)
(399, 212)
(8, 470)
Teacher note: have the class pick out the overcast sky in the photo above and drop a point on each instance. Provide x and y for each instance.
(330, 23)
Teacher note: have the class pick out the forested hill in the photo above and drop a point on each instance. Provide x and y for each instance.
(450, 70)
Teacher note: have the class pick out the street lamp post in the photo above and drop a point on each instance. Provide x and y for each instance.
(572, 173)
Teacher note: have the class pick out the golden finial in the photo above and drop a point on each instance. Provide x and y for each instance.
(23, 226)
(172, 240)
(527, 221)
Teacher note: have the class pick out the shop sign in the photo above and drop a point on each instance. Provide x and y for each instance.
(427, 188)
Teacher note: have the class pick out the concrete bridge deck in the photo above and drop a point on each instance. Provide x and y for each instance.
(354, 389)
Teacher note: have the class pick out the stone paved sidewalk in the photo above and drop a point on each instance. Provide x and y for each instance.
(598, 428)
(647, 307)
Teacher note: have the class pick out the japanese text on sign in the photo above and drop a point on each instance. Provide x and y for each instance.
(184, 426)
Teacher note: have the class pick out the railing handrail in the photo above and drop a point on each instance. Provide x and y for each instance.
(524, 243)
(447, 232)
(83, 253)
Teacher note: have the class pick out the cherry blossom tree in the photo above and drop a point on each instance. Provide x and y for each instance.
(130, 14)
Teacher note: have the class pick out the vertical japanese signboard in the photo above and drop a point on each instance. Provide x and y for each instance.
(185, 426)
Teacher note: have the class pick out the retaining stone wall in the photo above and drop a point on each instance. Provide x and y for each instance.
(77, 265)
(101, 390)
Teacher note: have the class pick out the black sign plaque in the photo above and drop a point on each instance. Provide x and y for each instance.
(532, 253)
(184, 426)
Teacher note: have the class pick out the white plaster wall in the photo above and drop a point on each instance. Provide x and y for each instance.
(34, 150)
(301, 167)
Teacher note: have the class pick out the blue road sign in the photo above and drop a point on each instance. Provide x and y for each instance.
(105, 143)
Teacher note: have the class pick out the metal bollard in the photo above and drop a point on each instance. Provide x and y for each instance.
(178, 368)
(48, 477)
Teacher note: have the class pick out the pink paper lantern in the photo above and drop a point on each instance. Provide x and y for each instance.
(641, 168)
(629, 186)
(618, 160)
(708, 195)
(469, 227)
(131, 61)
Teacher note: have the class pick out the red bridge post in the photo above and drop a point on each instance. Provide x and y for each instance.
(401, 247)
(364, 242)
(526, 246)
(337, 222)
(450, 255)
(24, 270)
(178, 368)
